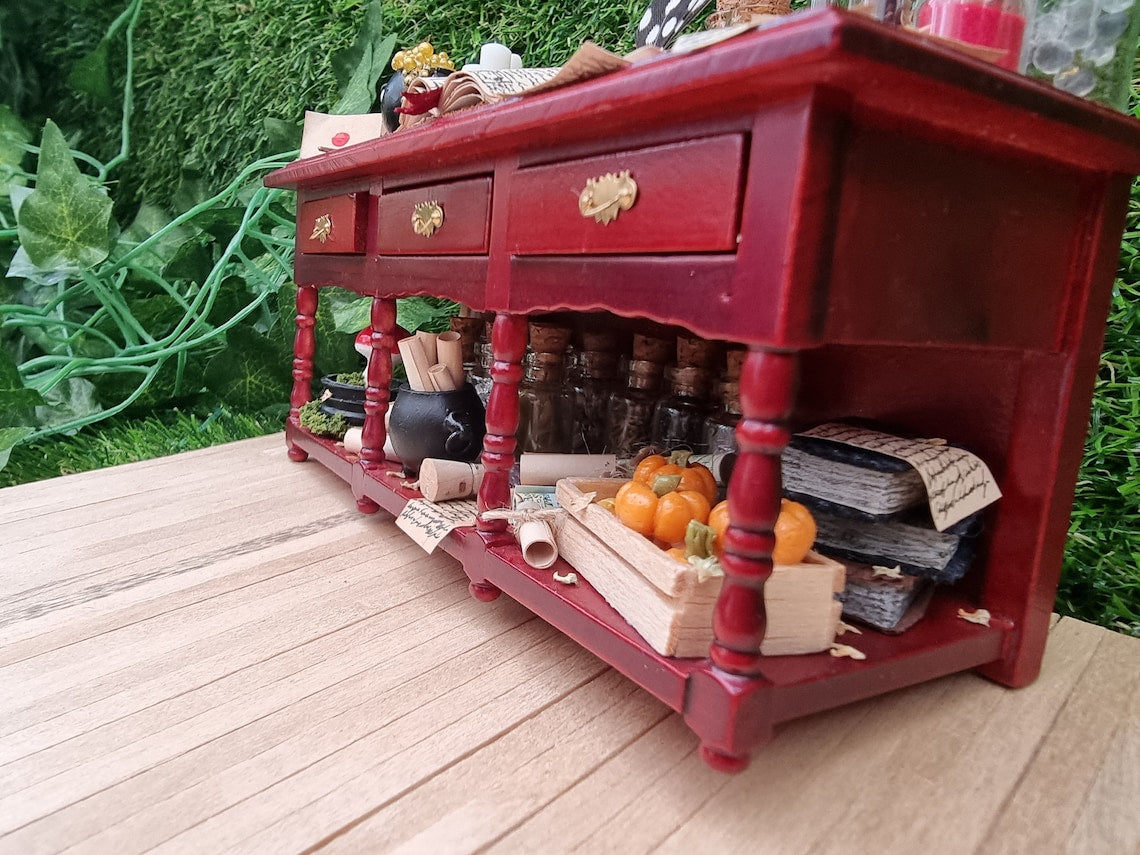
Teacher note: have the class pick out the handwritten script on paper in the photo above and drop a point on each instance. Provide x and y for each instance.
(957, 482)
(428, 523)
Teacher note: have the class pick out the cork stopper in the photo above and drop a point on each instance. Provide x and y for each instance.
(651, 348)
(599, 340)
(548, 338)
(696, 352)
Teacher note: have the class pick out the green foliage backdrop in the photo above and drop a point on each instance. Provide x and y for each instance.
(208, 72)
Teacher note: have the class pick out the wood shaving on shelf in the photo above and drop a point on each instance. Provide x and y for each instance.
(846, 650)
(846, 627)
(411, 485)
(568, 579)
(393, 473)
(889, 572)
(980, 616)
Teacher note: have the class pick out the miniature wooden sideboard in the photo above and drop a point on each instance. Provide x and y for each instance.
(897, 232)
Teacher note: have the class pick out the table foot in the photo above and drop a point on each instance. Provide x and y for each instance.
(484, 592)
(730, 764)
(298, 454)
(366, 506)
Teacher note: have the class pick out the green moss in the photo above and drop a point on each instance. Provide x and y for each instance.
(355, 378)
(321, 424)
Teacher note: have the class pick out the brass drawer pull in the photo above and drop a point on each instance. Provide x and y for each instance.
(322, 228)
(427, 217)
(607, 196)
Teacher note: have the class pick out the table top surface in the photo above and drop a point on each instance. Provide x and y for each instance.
(216, 651)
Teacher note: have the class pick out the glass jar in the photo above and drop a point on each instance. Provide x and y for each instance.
(679, 420)
(591, 388)
(544, 406)
(630, 417)
(995, 29)
(479, 374)
(720, 428)
(1086, 47)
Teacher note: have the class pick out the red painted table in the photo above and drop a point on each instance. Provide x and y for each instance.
(897, 233)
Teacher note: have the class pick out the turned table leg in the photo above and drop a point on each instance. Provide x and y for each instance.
(377, 386)
(767, 393)
(304, 347)
(508, 344)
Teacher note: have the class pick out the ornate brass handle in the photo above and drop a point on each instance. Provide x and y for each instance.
(605, 197)
(322, 228)
(427, 217)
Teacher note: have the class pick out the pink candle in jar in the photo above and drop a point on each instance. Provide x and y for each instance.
(992, 25)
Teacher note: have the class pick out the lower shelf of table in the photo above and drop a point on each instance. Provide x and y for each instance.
(789, 687)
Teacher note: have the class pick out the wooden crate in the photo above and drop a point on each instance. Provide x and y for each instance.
(668, 602)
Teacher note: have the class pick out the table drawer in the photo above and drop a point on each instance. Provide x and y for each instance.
(441, 219)
(681, 197)
(333, 225)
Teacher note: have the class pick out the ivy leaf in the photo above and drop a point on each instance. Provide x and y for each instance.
(192, 261)
(10, 437)
(65, 222)
(249, 373)
(72, 399)
(283, 136)
(17, 403)
(430, 314)
(374, 51)
(13, 137)
(92, 74)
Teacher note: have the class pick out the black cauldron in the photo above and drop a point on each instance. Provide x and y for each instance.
(344, 399)
(440, 425)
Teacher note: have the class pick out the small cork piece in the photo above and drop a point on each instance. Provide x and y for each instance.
(652, 349)
(696, 352)
(548, 338)
(599, 340)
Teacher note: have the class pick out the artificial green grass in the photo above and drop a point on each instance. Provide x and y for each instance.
(209, 72)
(1101, 577)
(129, 440)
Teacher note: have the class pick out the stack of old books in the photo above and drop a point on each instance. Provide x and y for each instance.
(901, 514)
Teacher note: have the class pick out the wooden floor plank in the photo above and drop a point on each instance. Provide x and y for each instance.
(174, 794)
(1090, 803)
(32, 753)
(331, 794)
(470, 804)
(218, 652)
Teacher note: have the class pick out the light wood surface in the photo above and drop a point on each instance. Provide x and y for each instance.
(215, 651)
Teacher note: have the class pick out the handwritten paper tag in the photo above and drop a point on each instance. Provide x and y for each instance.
(428, 523)
(957, 482)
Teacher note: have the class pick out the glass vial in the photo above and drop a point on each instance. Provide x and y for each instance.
(544, 406)
(591, 388)
(630, 417)
(679, 420)
(479, 374)
(720, 428)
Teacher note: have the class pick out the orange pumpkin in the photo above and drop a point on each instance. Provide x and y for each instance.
(795, 531)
